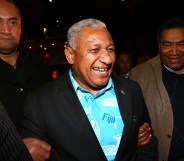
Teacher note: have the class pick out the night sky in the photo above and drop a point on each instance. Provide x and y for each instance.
(132, 23)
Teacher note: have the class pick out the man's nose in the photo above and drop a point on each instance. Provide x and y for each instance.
(106, 56)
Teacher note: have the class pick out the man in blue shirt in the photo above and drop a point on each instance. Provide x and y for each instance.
(88, 114)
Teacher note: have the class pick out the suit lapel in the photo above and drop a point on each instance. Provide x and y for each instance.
(123, 98)
(76, 113)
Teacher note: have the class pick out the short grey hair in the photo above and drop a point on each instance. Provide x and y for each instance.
(75, 30)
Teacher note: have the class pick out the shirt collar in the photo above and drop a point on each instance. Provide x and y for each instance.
(171, 70)
(78, 87)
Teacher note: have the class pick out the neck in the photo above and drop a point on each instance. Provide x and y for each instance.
(11, 58)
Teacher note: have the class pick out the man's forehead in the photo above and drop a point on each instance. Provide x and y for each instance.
(9, 10)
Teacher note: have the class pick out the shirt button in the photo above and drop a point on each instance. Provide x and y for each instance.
(20, 89)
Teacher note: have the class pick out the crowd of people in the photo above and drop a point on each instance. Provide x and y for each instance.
(91, 112)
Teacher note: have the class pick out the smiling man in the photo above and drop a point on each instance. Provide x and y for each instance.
(88, 114)
(162, 83)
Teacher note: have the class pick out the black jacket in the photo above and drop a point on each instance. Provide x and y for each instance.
(54, 114)
(15, 83)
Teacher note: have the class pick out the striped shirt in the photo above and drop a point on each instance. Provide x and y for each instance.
(12, 147)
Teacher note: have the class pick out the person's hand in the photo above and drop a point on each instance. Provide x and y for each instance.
(39, 150)
(144, 135)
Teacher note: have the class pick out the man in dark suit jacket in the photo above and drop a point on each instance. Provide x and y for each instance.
(20, 72)
(12, 147)
(88, 114)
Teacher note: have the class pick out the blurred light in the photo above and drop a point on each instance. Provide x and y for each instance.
(53, 44)
(30, 47)
(46, 56)
(41, 46)
(50, 0)
(44, 30)
(45, 48)
(66, 44)
(54, 74)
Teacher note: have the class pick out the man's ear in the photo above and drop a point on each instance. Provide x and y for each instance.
(69, 54)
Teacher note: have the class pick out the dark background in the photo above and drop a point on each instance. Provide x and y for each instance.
(132, 23)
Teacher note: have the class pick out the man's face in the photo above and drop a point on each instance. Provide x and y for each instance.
(93, 59)
(171, 48)
(125, 63)
(10, 28)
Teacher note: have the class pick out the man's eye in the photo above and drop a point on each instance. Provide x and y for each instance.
(13, 23)
(111, 49)
(166, 44)
(95, 50)
(181, 44)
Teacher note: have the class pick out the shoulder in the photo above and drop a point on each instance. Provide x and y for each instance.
(125, 83)
(60, 83)
(145, 67)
